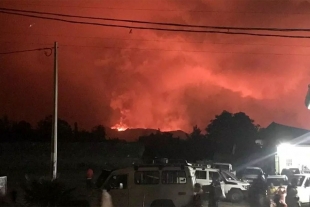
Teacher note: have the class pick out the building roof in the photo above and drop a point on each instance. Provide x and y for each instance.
(293, 131)
(276, 132)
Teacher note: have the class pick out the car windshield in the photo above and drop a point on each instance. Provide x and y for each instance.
(277, 181)
(294, 170)
(252, 171)
(300, 179)
(228, 175)
(222, 167)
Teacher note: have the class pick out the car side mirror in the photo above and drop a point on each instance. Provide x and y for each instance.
(107, 188)
(307, 184)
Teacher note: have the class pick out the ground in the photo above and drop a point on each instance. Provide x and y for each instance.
(228, 204)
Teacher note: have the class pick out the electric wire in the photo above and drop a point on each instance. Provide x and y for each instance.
(158, 29)
(161, 23)
(164, 10)
(157, 40)
(169, 50)
(29, 50)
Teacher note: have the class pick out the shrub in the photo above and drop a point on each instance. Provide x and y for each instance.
(44, 192)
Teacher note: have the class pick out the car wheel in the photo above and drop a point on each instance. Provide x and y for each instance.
(235, 196)
(162, 203)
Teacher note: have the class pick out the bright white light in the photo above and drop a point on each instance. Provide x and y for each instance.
(284, 148)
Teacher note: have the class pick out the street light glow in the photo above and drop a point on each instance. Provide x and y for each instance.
(284, 148)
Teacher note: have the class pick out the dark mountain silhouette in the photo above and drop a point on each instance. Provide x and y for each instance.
(133, 134)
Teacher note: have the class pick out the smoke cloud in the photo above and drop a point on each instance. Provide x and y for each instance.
(154, 79)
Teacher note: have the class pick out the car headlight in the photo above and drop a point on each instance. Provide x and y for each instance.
(246, 187)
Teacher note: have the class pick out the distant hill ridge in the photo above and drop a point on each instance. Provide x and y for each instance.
(134, 133)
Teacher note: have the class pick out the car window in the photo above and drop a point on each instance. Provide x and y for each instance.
(252, 171)
(146, 177)
(200, 174)
(300, 179)
(294, 170)
(222, 167)
(277, 181)
(117, 182)
(173, 177)
(228, 175)
(212, 174)
(307, 183)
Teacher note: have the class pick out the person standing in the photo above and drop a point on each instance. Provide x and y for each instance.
(215, 192)
(292, 198)
(197, 200)
(258, 191)
(89, 178)
(271, 195)
(281, 194)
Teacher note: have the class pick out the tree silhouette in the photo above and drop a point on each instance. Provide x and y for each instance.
(44, 130)
(196, 133)
(22, 131)
(234, 134)
(199, 147)
(162, 145)
(5, 129)
(98, 133)
(11, 131)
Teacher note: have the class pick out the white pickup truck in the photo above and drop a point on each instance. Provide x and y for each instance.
(234, 189)
(303, 187)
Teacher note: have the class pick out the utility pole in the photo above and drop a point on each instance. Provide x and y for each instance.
(55, 117)
(307, 99)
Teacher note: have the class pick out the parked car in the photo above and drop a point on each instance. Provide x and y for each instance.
(223, 166)
(251, 173)
(234, 189)
(277, 180)
(289, 172)
(303, 187)
(159, 184)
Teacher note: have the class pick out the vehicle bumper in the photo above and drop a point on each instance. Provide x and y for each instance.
(245, 194)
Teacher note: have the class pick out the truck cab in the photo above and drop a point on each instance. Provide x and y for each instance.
(303, 187)
(151, 185)
(234, 189)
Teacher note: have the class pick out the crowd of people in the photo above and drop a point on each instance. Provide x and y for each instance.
(260, 194)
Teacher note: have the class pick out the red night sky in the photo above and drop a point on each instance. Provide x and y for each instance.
(156, 79)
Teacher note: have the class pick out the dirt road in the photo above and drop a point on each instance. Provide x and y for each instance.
(229, 204)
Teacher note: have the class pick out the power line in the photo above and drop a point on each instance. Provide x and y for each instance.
(165, 10)
(189, 51)
(30, 50)
(158, 29)
(154, 40)
(160, 23)
(172, 50)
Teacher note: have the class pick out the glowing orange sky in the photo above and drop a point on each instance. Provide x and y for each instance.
(164, 80)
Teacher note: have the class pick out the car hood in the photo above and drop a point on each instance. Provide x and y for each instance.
(249, 177)
(237, 182)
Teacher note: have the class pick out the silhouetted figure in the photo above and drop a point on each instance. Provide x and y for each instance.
(280, 196)
(89, 178)
(271, 194)
(257, 193)
(14, 196)
(215, 191)
(197, 200)
(292, 198)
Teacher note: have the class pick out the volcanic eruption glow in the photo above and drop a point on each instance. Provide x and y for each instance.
(120, 127)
